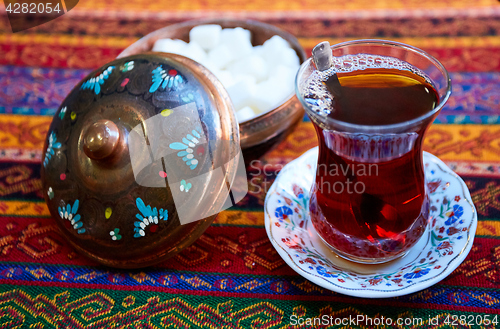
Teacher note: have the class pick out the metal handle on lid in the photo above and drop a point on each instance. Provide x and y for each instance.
(100, 139)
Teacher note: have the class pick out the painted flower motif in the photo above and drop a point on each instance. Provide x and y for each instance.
(292, 244)
(187, 97)
(433, 186)
(96, 82)
(70, 213)
(283, 212)
(63, 112)
(115, 234)
(417, 273)
(374, 282)
(129, 66)
(310, 260)
(451, 230)
(185, 187)
(50, 193)
(52, 145)
(167, 80)
(444, 245)
(147, 218)
(457, 198)
(323, 272)
(187, 146)
(454, 214)
(298, 191)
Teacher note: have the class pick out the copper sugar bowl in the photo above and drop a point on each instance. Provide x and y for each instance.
(138, 159)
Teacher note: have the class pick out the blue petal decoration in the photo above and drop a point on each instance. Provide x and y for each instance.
(161, 78)
(141, 206)
(155, 86)
(75, 206)
(80, 231)
(188, 142)
(178, 146)
(77, 218)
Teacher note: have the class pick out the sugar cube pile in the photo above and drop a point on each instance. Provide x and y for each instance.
(257, 78)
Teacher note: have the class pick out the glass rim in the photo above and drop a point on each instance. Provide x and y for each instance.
(378, 128)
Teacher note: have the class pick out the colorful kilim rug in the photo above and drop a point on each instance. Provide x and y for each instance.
(232, 277)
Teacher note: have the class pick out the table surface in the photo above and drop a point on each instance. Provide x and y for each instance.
(232, 277)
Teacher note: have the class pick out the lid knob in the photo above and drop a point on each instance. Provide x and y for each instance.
(100, 139)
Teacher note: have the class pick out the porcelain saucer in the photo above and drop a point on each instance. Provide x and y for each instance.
(445, 244)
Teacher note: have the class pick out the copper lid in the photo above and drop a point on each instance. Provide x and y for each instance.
(139, 158)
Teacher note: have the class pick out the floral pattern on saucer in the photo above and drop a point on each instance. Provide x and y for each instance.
(445, 244)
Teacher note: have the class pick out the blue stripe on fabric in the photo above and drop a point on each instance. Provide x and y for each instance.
(277, 285)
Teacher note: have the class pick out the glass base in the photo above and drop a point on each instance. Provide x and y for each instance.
(362, 260)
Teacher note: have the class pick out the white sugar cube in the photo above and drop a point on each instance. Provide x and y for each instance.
(274, 91)
(274, 48)
(242, 92)
(258, 51)
(290, 58)
(245, 114)
(262, 103)
(238, 31)
(250, 65)
(209, 65)
(225, 77)
(194, 51)
(246, 77)
(274, 44)
(283, 74)
(221, 56)
(169, 46)
(207, 36)
(238, 41)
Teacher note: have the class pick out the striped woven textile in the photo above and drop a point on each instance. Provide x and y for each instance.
(232, 277)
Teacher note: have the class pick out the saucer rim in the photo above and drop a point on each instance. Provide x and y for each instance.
(372, 292)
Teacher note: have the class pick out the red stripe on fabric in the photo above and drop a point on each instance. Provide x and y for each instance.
(47, 55)
(226, 249)
(485, 59)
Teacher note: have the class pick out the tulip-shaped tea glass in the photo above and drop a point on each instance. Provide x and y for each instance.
(371, 105)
